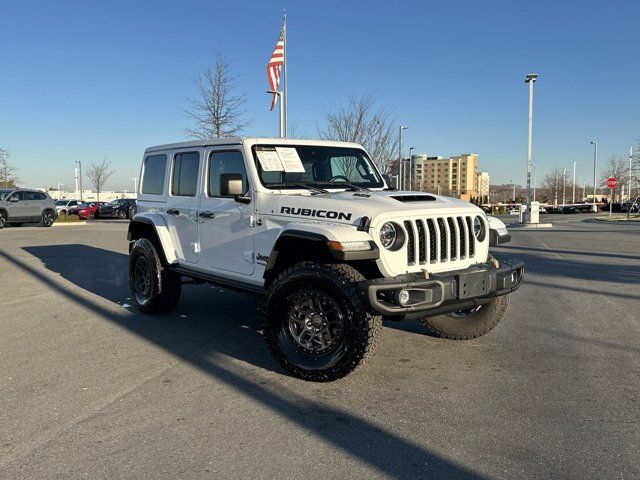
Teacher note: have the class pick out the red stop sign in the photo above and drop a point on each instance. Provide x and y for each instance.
(612, 182)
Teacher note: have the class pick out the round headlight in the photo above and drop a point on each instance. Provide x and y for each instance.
(388, 235)
(391, 236)
(478, 228)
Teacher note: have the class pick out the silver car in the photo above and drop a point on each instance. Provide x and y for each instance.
(19, 205)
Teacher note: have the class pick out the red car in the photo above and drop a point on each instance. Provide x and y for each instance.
(87, 210)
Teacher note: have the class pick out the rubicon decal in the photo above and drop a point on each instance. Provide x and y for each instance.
(307, 212)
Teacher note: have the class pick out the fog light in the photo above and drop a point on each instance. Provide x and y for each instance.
(403, 297)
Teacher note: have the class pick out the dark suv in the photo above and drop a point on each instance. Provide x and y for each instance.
(18, 206)
(118, 208)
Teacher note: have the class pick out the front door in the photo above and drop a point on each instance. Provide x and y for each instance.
(18, 208)
(226, 230)
(181, 211)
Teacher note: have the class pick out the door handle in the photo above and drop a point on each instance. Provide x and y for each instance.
(173, 211)
(207, 215)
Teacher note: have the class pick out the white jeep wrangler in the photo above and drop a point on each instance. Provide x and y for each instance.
(313, 226)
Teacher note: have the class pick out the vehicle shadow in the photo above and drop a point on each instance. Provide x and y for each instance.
(206, 336)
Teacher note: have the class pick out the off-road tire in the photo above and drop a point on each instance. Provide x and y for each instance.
(47, 218)
(15, 224)
(3, 219)
(360, 330)
(162, 292)
(471, 326)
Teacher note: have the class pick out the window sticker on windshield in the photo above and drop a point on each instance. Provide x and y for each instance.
(290, 159)
(269, 161)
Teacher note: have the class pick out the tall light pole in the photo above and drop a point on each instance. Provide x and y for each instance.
(411, 149)
(79, 177)
(584, 190)
(530, 79)
(400, 168)
(564, 185)
(574, 182)
(630, 160)
(595, 163)
(534, 181)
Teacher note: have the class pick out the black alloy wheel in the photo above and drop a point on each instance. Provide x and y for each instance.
(47, 219)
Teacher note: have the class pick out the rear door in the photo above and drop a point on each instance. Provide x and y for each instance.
(35, 204)
(226, 232)
(182, 203)
(17, 209)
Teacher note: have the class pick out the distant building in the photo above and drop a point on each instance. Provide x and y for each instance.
(455, 176)
(483, 186)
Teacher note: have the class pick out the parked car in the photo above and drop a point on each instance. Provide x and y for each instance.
(18, 206)
(63, 206)
(513, 211)
(118, 208)
(87, 210)
(542, 210)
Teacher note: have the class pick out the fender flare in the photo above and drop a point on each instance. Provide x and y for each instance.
(142, 222)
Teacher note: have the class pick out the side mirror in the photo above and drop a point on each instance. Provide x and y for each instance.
(232, 185)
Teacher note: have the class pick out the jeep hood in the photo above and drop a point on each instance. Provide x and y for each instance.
(349, 206)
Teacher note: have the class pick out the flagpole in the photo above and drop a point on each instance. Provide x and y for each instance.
(284, 99)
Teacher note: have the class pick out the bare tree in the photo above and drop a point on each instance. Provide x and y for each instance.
(99, 173)
(363, 121)
(218, 111)
(617, 167)
(555, 185)
(8, 176)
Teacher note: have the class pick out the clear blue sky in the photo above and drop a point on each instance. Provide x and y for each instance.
(81, 80)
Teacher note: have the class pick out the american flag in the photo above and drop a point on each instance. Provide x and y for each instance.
(274, 67)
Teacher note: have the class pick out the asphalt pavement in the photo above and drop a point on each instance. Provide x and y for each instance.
(90, 388)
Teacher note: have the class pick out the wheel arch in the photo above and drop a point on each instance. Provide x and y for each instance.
(154, 228)
(294, 246)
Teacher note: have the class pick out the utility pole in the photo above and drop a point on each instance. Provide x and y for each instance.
(534, 181)
(135, 184)
(564, 184)
(595, 163)
(411, 149)
(574, 182)
(400, 162)
(630, 174)
(584, 189)
(530, 79)
(79, 178)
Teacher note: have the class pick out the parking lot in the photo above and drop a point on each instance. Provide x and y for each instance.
(93, 389)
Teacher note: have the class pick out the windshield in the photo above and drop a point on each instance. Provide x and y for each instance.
(318, 166)
(4, 193)
(61, 203)
(115, 202)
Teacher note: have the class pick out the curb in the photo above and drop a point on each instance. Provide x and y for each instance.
(530, 226)
(68, 224)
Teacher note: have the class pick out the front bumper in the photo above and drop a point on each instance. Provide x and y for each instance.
(443, 292)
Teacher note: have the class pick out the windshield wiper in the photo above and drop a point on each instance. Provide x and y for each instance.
(308, 186)
(347, 185)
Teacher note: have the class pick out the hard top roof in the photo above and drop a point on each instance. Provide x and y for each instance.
(253, 140)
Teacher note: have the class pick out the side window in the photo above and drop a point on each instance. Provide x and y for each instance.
(184, 181)
(41, 196)
(33, 196)
(231, 161)
(18, 195)
(154, 170)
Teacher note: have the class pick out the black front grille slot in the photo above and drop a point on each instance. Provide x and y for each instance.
(461, 236)
(472, 245)
(422, 243)
(443, 240)
(452, 237)
(411, 246)
(432, 240)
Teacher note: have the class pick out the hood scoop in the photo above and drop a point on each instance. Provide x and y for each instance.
(414, 198)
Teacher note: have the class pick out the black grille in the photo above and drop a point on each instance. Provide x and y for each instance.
(443, 240)
(462, 237)
(411, 246)
(471, 236)
(453, 239)
(432, 240)
(422, 243)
